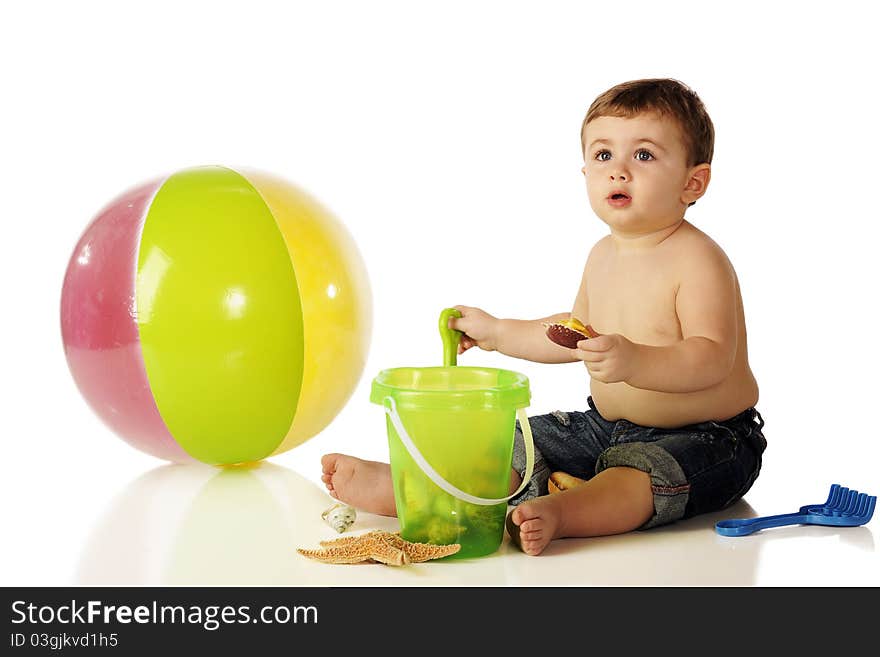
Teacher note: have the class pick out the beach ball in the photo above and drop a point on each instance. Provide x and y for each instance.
(218, 315)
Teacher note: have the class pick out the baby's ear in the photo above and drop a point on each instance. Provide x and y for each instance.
(698, 181)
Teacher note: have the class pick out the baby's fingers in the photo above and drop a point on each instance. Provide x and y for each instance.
(602, 343)
(456, 322)
(588, 356)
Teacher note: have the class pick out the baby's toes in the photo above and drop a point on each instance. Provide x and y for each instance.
(328, 464)
(532, 529)
(531, 544)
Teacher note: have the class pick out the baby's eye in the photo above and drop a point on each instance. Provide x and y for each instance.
(599, 156)
(641, 152)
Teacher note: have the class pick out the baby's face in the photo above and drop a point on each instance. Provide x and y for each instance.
(644, 158)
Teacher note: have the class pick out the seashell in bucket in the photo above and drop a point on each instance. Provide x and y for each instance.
(340, 516)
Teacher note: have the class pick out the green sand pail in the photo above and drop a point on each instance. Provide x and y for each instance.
(450, 436)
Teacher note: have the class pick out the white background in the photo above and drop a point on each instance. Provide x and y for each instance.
(446, 137)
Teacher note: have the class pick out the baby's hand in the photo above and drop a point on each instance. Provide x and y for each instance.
(609, 358)
(479, 329)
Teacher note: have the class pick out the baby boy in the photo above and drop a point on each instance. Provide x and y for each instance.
(671, 430)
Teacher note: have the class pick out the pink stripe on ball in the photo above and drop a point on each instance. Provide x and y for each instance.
(99, 325)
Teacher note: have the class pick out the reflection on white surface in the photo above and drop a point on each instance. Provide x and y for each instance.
(200, 525)
(196, 524)
(810, 555)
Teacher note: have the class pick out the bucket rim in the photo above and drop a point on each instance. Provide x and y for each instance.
(515, 391)
(519, 379)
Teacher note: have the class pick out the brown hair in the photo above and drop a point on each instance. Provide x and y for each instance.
(667, 97)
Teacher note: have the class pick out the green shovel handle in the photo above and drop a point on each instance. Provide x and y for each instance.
(449, 336)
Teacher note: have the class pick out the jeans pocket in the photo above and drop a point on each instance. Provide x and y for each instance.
(721, 440)
(724, 431)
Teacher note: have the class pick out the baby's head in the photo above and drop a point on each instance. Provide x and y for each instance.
(651, 140)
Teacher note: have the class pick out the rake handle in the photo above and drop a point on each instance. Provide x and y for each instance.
(742, 527)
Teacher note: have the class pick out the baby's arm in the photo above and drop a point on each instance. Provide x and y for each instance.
(527, 339)
(706, 305)
(519, 338)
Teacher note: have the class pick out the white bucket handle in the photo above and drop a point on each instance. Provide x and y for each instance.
(433, 475)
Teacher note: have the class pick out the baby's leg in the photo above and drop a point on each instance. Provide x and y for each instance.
(365, 485)
(615, 501)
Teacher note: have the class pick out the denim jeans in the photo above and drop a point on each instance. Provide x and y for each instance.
(694, 469)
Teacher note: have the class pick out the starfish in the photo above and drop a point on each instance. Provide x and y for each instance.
(378, 546)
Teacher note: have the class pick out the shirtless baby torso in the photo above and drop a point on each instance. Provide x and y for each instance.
(633, 293)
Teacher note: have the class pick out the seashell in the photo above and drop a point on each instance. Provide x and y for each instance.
(569, 332)
(340, 516)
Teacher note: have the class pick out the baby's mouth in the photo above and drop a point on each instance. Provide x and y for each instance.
(619, 199)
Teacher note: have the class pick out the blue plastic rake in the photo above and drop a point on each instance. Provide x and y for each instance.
(843, 508)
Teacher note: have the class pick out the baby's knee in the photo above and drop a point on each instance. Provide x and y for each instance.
(667, 490)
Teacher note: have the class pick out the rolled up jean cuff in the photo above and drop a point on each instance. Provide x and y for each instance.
(668, 483)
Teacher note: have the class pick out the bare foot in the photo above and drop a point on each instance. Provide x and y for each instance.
(533, 524)
(365, 485)
(617, 500)
(560, 481)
